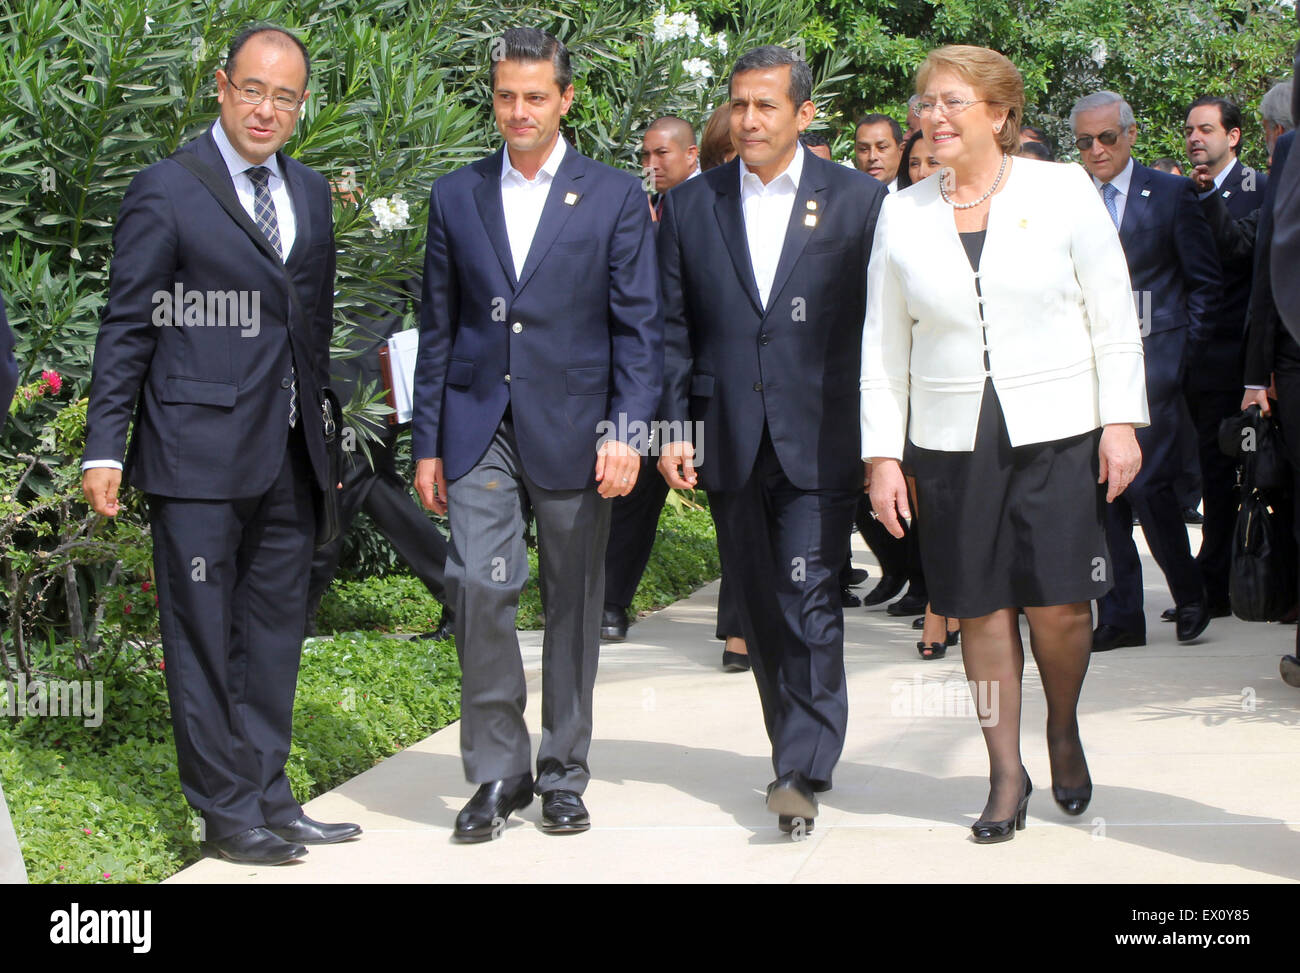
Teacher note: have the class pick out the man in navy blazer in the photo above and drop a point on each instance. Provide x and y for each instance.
(539, 369)
(220, 359)
(1177, 285)
(762, 263)
(1227, 189)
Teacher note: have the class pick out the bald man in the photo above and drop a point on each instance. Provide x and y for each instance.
(669, 154)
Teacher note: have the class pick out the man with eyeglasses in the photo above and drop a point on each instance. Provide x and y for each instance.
(1176, 281)
(215, 340)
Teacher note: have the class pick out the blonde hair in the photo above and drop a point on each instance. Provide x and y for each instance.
(995, 79)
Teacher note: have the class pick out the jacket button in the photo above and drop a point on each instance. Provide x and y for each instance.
(507, 378)
(758, 386)
(763, 338)
(516, 327)
(285, 383)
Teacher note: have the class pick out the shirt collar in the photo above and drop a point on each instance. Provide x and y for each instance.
(236, 163)
(1120, 182)
(551, 166)
(794, 170)
(1222, 177)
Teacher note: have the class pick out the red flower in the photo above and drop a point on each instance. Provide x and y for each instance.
(162, 665)
(127, 609)
(53, 380)
(144, 585)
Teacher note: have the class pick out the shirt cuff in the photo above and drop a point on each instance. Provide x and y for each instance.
(1262, 388)
(91, 464)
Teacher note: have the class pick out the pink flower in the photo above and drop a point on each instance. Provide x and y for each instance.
(144, 585)
(53, 380)
(108, 874)
(87, 831)
(62, 867)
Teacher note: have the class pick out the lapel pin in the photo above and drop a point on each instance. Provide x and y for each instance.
(1227, 193)
(1146, 192)
(810, 220)
(1024, 224)
(811, 204)
(571, 199)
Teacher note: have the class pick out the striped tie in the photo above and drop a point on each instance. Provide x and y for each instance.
(1108, 194)
(264, 216)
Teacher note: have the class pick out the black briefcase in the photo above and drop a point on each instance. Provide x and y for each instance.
(1252, 438)
(1262, 579)
(329, 517)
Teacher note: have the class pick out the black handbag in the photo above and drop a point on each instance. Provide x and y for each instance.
(1262, 578)
(329, 518)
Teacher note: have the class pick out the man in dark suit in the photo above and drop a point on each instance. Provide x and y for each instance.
(371, 483)
(761, 263)
(1273, 320)
(11, 857)
(218, 324)
(1177, 285)
(1226, 188)
(540, 366)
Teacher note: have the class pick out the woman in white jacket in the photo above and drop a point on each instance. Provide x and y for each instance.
(1001, 338)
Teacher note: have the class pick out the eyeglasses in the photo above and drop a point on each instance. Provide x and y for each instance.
(253, 95)
(1084, 142)
(950, 106)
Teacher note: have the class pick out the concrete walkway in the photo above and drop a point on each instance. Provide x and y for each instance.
(1194, 752)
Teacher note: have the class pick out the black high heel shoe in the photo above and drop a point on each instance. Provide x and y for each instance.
(937, 650)
(1073, 800)
(991, 832)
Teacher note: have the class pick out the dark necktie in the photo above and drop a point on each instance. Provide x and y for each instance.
(265, 218)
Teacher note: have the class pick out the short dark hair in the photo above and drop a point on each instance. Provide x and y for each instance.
(681, 131)
(1167, 164)
(876, 118)
(253, 30)
(531, 44)
(1229, 114)
(775, 56)
(814, 138)
(1036, 150)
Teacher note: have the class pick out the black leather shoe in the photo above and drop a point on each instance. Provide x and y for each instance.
(1107, 637)
(918, 623)
(792, 795)
(848, 599)
(787, 824)
(305, 831)
(854, 577)
(1192, 620)
(735, 661)
(445, 629)
(991, 832)
(1073, 800)
(1221, 609)
(482, 818)
(613, 626)
(257, 846)
(564, 813)
(907, 606)
(1192, 516)
(1289, 670)
(885, 589)
(1169, 614)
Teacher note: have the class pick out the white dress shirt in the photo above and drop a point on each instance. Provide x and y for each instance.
(767, 216)
(238, 168)
(522, 201)
(1120, 182)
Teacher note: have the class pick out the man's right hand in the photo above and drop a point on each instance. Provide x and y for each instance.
(431, 485)
(1256, 397)
(100, 485)
(677, 466)
(1201, 178)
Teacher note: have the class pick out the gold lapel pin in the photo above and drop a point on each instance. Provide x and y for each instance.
(810, 220)
(570, 199)
(1024, 224)
(1146, 192)
(811, 204)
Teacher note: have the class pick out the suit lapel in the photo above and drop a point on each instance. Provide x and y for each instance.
(301, 211)
(798, 232)
(206, 149)
(725, 181)
(1135, 207)
(555, 212)
(487, 198)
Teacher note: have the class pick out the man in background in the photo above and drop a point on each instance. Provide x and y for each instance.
(878, 148)
(670, 155)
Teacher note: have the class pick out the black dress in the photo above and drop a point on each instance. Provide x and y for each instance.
(1009, 527)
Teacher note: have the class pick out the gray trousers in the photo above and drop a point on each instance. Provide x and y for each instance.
(487, 566)
(12, 871)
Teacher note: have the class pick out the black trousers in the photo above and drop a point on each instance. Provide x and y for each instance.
(634, 523)
(1286, 374)
(783, 548)
(232, 598)
(384, 496)
(1218, 488)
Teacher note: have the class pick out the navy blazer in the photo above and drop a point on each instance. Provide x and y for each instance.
(1218, 363)
(731, 365)
(574, 345)
(1172, 261)
(1263, 318)
(8, 367)
(213, 395)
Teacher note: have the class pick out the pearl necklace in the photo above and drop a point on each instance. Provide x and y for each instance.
(944, 192)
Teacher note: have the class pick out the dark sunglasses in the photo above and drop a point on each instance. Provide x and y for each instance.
(1084, 142)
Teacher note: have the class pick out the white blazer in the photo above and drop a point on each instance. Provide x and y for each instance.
(1064, 343)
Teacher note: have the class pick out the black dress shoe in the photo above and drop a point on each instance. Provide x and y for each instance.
(1073, 800)
(991, 832)
(1169, 614)
(735, 661)
(1192, 620)
(907, 606)
(792, 795)
(1289, 670)
(787, 824)
(854, 577)
(305, 831)
(1107, 637)
(564, 813)
(613, 625)
(445, 629)
(848, 599)
(885, 589)
(257, 846)
(488, 809)
(1192, 516)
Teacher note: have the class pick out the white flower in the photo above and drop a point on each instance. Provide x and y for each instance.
(669, 27)
(721, 41)
(697, 67)
(148, 24)
(389, 213)
(1099, 52)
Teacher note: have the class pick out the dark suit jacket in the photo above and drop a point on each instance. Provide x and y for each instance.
(8, 367)
(1263, 319)
(575, 342)
(1230, 212)
(1172, 262)
(731, 365)
(212, 420)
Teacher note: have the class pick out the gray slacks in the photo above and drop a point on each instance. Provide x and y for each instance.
(487, 566)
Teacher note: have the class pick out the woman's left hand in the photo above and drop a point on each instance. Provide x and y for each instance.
(1121, 458)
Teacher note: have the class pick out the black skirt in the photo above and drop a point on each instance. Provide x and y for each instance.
(1004, 527)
